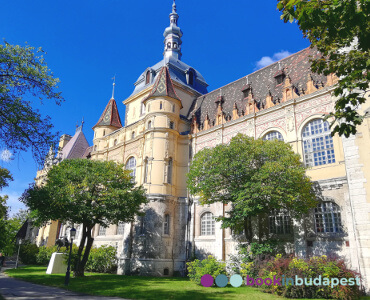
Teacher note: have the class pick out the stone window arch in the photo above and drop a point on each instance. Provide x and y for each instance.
(273, 135)
(207, 224)
(147, 77)
(149, 125)
(318, 147)
(328, 218)
(166, 224)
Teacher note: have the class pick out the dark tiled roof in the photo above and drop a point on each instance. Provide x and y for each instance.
(110, 115)
(22, 232)
(163, 86)
(262, 82)
(76, 147)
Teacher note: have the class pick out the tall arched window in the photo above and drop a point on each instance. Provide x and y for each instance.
(328, 218)
(166, 224)
(160, 105)
(169, 171)
(133, 135)
(147, 77)
(120, 228)
(131, 165)
(318, 148)
(142, 108)
(146, 170)
(149, 124)
(273, 135)
(207, 224)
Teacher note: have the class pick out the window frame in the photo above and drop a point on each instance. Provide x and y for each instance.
(330, 217)
(207, 224)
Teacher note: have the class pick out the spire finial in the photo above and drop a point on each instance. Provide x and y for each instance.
(174, 7)
(172, 35)
(82, 123)
(114, 83)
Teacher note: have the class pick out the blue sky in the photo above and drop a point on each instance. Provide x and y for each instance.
(89, 41)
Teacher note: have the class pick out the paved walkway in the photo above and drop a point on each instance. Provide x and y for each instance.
(11, 288)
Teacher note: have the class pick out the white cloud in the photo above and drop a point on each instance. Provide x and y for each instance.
(268, 60)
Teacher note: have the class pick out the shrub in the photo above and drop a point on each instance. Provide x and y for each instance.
(28, 253)
(197, 268)
(45, 253)
(304, 268)
(102, 260)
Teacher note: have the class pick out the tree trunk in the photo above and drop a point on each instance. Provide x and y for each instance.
(248, 229)
(80, 250)
(80, 268)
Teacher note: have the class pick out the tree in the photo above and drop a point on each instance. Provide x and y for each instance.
(24, 74)
(340, 30)
(255, 177)
(86, 192)
(5, 177)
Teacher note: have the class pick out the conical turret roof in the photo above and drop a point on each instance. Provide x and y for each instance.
(110, 115)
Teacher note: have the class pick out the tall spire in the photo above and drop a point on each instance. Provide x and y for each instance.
(172, 36)
(114, 83)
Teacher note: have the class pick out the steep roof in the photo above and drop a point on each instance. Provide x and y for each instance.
(261, 83)
(76, 147)
(110, 115)
(163, 86)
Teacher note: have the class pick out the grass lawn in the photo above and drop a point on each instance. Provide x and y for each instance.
(136, 287)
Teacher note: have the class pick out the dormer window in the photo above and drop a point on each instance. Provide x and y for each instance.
(279, 77)
(147, 77)
(191, 78)
(246, 90)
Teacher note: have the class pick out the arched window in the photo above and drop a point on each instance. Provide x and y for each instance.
(160, 105)
(142, 108)
(95, 147)
(273, 135)
(147, 77)
(166, 224)
(120, 228)
(169, 171)
(103, 132)
(280, 222)
(172, 125)
(131, 165)
(149, 124)
(146, 170)
(191, 77)
(115, 142)
(207, 224)
(133, 135)
(102, 230)
(318, 148)
(173, 108)
(327, 218)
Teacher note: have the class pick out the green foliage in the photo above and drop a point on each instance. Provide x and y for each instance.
(5, 177)
(340, 30)
(24, 74)
(304, 268)
(86, 192)
(255, 176)
(44, 255)
(211, 266)
(102, 260)
(28, 253)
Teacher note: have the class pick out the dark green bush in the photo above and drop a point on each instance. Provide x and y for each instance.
(45, 253)
(102, 260)
(28, 253)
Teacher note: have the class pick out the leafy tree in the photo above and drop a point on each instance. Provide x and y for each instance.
(86, 192)
(5, 177)
(24, 74)
(340, 30)
(255, 177)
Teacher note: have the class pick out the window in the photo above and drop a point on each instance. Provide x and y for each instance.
(207, 224)
(147, 77)
(148, 107)
(161, 105)
(141, 228)
(172, 125)
(173, 108)
(102, 230)
(133, 135)
(191, 78)
(149, 124)
(95, 147)
(273, 135)
(146, 170)
(115, 142)
(279, 79)
(280, 222)
(120, 228)
(103, 132)
(169, 171)
(166, 224)
(246, 93)
(131, 165)
(318, 148)
(142, 108)
(327, 218)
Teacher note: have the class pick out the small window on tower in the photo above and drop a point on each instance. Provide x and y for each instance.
(161, 105)
(147, 77)
(133, 135)
(172, 125)
(174, 45)
(173, 108)
(191, 78)
(169, 45)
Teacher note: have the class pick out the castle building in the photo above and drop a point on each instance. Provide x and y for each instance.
(170, 116)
